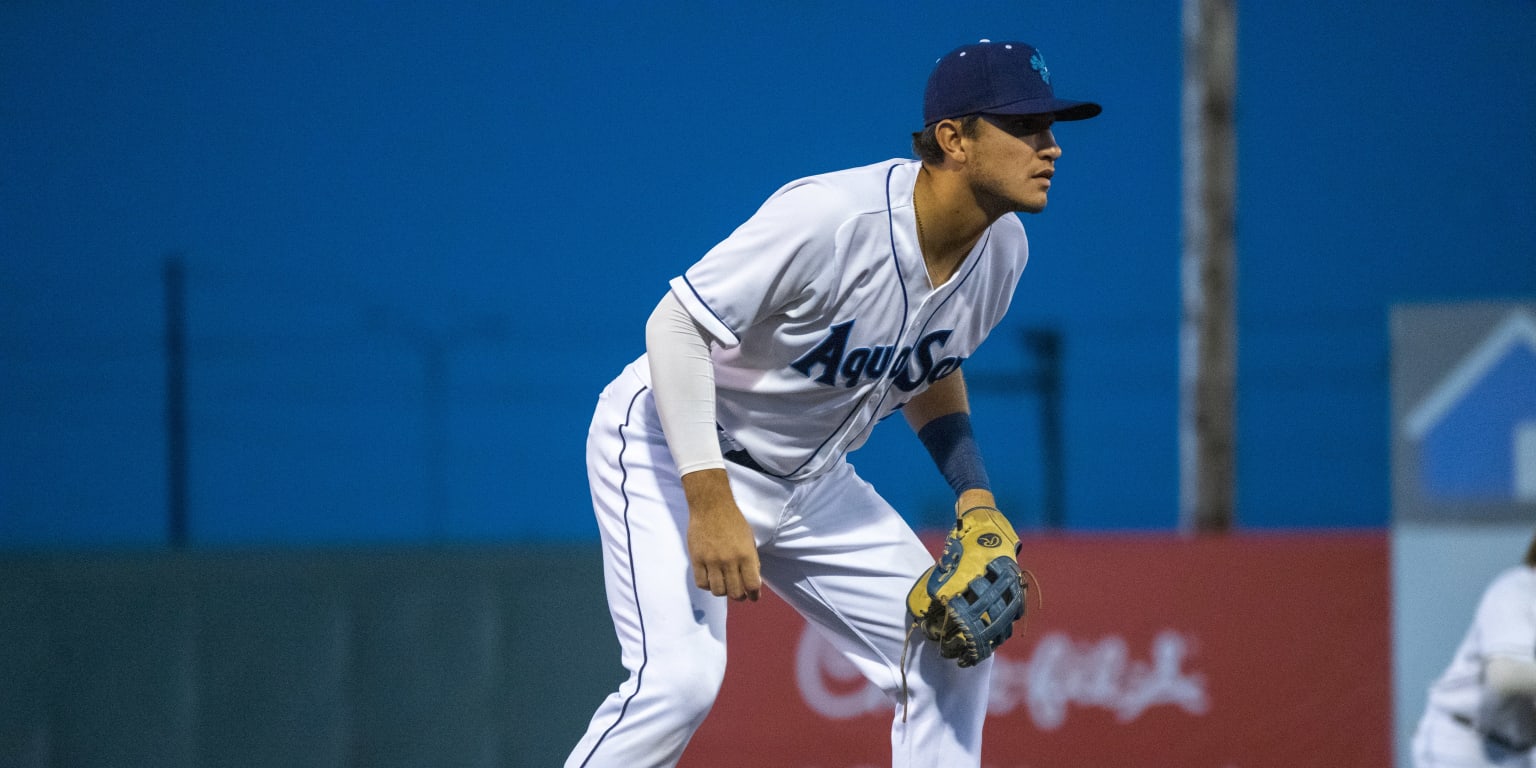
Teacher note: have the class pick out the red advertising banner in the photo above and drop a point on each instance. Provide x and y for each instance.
(1154, 651)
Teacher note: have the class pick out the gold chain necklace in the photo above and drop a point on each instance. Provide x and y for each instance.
(919, 217)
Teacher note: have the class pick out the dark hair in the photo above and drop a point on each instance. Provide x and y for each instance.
(926, 144)
(1530, 554)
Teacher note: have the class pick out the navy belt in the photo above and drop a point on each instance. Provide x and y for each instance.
(744, 459)
(734, 453)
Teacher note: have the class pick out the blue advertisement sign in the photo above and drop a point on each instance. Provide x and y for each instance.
(1464, 391)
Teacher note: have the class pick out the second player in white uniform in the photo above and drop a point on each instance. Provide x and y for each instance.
(1482, 710)
(717, 460)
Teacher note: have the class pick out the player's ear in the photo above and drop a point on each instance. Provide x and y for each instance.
(950, 135)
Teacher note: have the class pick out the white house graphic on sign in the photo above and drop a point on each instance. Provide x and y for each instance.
(1476, 430)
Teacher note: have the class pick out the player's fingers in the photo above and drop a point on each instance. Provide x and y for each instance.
(709, 577)
(733, 583)
(752, 579)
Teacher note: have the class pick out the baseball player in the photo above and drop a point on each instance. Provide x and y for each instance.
(1482, 710)
(718, 459)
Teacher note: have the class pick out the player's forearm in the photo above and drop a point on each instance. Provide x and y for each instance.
(708, 491)
(943, 397)
(683, 384)
(942, 420)
(954, 450)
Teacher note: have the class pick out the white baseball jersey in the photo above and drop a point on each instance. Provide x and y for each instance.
(826, 319)
(1504, 625)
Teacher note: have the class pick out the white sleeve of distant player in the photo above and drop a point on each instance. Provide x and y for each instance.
(1506, 617)
(1506, 622)
(683, 383)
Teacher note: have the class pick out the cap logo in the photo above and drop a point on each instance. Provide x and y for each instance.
(1038, 62)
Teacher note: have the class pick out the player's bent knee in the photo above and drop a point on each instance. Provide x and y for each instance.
(688, 682)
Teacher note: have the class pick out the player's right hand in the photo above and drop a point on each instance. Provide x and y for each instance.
(720, 543)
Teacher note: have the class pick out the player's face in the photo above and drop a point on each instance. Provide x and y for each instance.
(1012, 160)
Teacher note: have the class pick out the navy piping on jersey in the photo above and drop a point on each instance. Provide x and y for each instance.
(629, 544)
(953, 292)
(905, 311)
(706, 305)
(890, 221)
(906, 308)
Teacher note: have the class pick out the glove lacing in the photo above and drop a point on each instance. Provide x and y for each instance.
(904, 645)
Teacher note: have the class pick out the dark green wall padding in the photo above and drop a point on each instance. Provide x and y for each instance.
(330, 659)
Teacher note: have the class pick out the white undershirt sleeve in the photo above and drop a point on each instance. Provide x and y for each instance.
(683, 383)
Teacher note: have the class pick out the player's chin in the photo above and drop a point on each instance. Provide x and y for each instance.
(1030, 199)
(1034, 204)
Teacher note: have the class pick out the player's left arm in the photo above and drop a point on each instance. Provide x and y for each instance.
(941, 417)
(970, 599)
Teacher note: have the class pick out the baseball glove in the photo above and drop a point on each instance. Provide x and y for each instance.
(969, 600)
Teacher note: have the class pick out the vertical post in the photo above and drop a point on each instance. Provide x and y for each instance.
(174, 274)
(436, 347)
(1208, 338)
(435, 428)
(1045, 345)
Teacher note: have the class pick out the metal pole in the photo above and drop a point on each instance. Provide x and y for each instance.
(1208, 337)
(436, 348)
(174, 273)
(434, 355)
(1045, 344)
(1042, 348)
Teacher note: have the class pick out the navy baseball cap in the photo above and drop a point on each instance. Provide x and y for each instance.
(1007, 78)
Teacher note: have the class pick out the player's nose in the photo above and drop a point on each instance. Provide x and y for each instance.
(1048, 146)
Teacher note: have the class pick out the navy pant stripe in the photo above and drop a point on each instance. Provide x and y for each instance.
(633, 585)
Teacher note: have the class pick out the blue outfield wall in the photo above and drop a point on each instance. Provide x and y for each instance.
(418, 241)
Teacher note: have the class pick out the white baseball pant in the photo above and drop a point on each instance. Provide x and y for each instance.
(830, 546)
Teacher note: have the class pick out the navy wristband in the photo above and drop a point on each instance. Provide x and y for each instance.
(952, 445)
